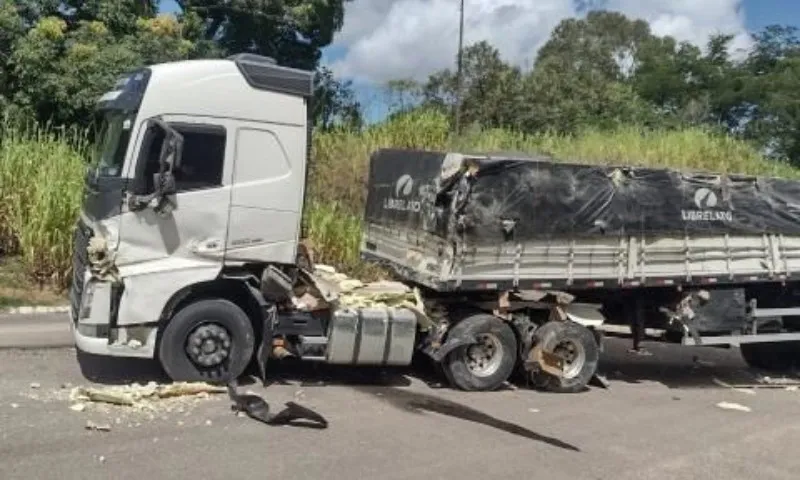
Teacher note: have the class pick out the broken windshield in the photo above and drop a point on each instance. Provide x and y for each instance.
(112, 143)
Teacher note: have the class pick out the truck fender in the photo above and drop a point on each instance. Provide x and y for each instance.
(584, 314)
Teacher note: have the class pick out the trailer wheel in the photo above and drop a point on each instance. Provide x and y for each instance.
(486, 365)
(210, 340)
(776, 357)
(579, 347)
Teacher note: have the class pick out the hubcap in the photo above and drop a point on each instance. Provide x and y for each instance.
(484, 357)
(574, 357)
(208, 345)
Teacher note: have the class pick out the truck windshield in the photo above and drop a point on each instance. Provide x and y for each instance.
(112, 143)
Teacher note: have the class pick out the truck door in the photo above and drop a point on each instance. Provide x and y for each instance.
(161, 252)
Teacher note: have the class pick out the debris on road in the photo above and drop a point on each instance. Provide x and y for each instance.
(763, 383)
(150, 400)
(719, 382)
(733, 406)
(779, 382)
(90, 425)
(142, 396)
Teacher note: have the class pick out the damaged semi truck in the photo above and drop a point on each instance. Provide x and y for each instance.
(189, 246)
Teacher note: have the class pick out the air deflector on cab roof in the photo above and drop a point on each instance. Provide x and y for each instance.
(264, 73)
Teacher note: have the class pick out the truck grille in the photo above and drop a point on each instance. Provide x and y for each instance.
(80, 260)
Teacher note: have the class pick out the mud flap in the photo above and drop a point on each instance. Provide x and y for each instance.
(262, 355)
(257, 408)
(452, 343)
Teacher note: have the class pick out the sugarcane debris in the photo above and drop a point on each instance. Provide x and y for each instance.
(733, 406)
(336, 287)
(134, 394)
(149, 398)
(99, 427)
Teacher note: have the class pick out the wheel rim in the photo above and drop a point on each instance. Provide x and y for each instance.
(208, 345)
(574, 356)
(484, 357)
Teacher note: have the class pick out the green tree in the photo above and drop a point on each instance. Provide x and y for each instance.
(291, 31)
(58, 56)
(335, 103)
(584, 75)
(60, 67)
(491, 89)
(570, 103)
(604, 44)
(772, 92)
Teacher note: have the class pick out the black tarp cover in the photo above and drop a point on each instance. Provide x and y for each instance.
(546, 199)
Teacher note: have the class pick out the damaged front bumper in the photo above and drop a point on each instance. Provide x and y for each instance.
(95, 297)
(94, 328)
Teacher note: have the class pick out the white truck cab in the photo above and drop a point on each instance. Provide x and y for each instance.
(200, 165)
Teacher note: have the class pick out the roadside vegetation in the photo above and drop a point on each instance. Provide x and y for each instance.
(670, 104)
(41, 180)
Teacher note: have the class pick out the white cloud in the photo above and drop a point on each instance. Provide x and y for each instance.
(388, 39)
(690, 20)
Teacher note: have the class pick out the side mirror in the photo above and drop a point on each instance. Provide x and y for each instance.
(165, 183)
(172, 151)
(172, 148)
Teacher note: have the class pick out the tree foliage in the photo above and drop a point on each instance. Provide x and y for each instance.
(599, 71)
(605, 70)
(58, 56)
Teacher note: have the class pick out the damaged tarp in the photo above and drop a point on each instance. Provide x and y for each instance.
(501, 198)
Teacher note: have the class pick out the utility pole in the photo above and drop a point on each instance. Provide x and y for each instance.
(460, 66)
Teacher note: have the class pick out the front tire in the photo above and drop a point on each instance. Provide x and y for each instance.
(486, 365)
(580, 348)
(207, 341)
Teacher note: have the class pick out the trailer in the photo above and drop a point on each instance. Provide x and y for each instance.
(710, 258)
(189, 247)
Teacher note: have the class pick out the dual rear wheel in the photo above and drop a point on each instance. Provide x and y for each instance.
(489, 363)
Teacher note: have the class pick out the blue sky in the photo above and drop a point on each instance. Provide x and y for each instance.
(371, 47)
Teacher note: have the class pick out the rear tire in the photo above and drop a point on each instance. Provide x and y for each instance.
(775, 357)
(207, 341)
(576, 342)
(484, 366)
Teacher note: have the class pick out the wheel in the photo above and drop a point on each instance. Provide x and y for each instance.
(487, 364)
(577, 345)
(211, 340)
(777, 357)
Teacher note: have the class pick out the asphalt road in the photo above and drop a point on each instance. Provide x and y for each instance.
(35, 331)
(659, 420)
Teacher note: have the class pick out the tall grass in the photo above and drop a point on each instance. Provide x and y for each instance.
(41, 177)
(41, 185)
(341, 160)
